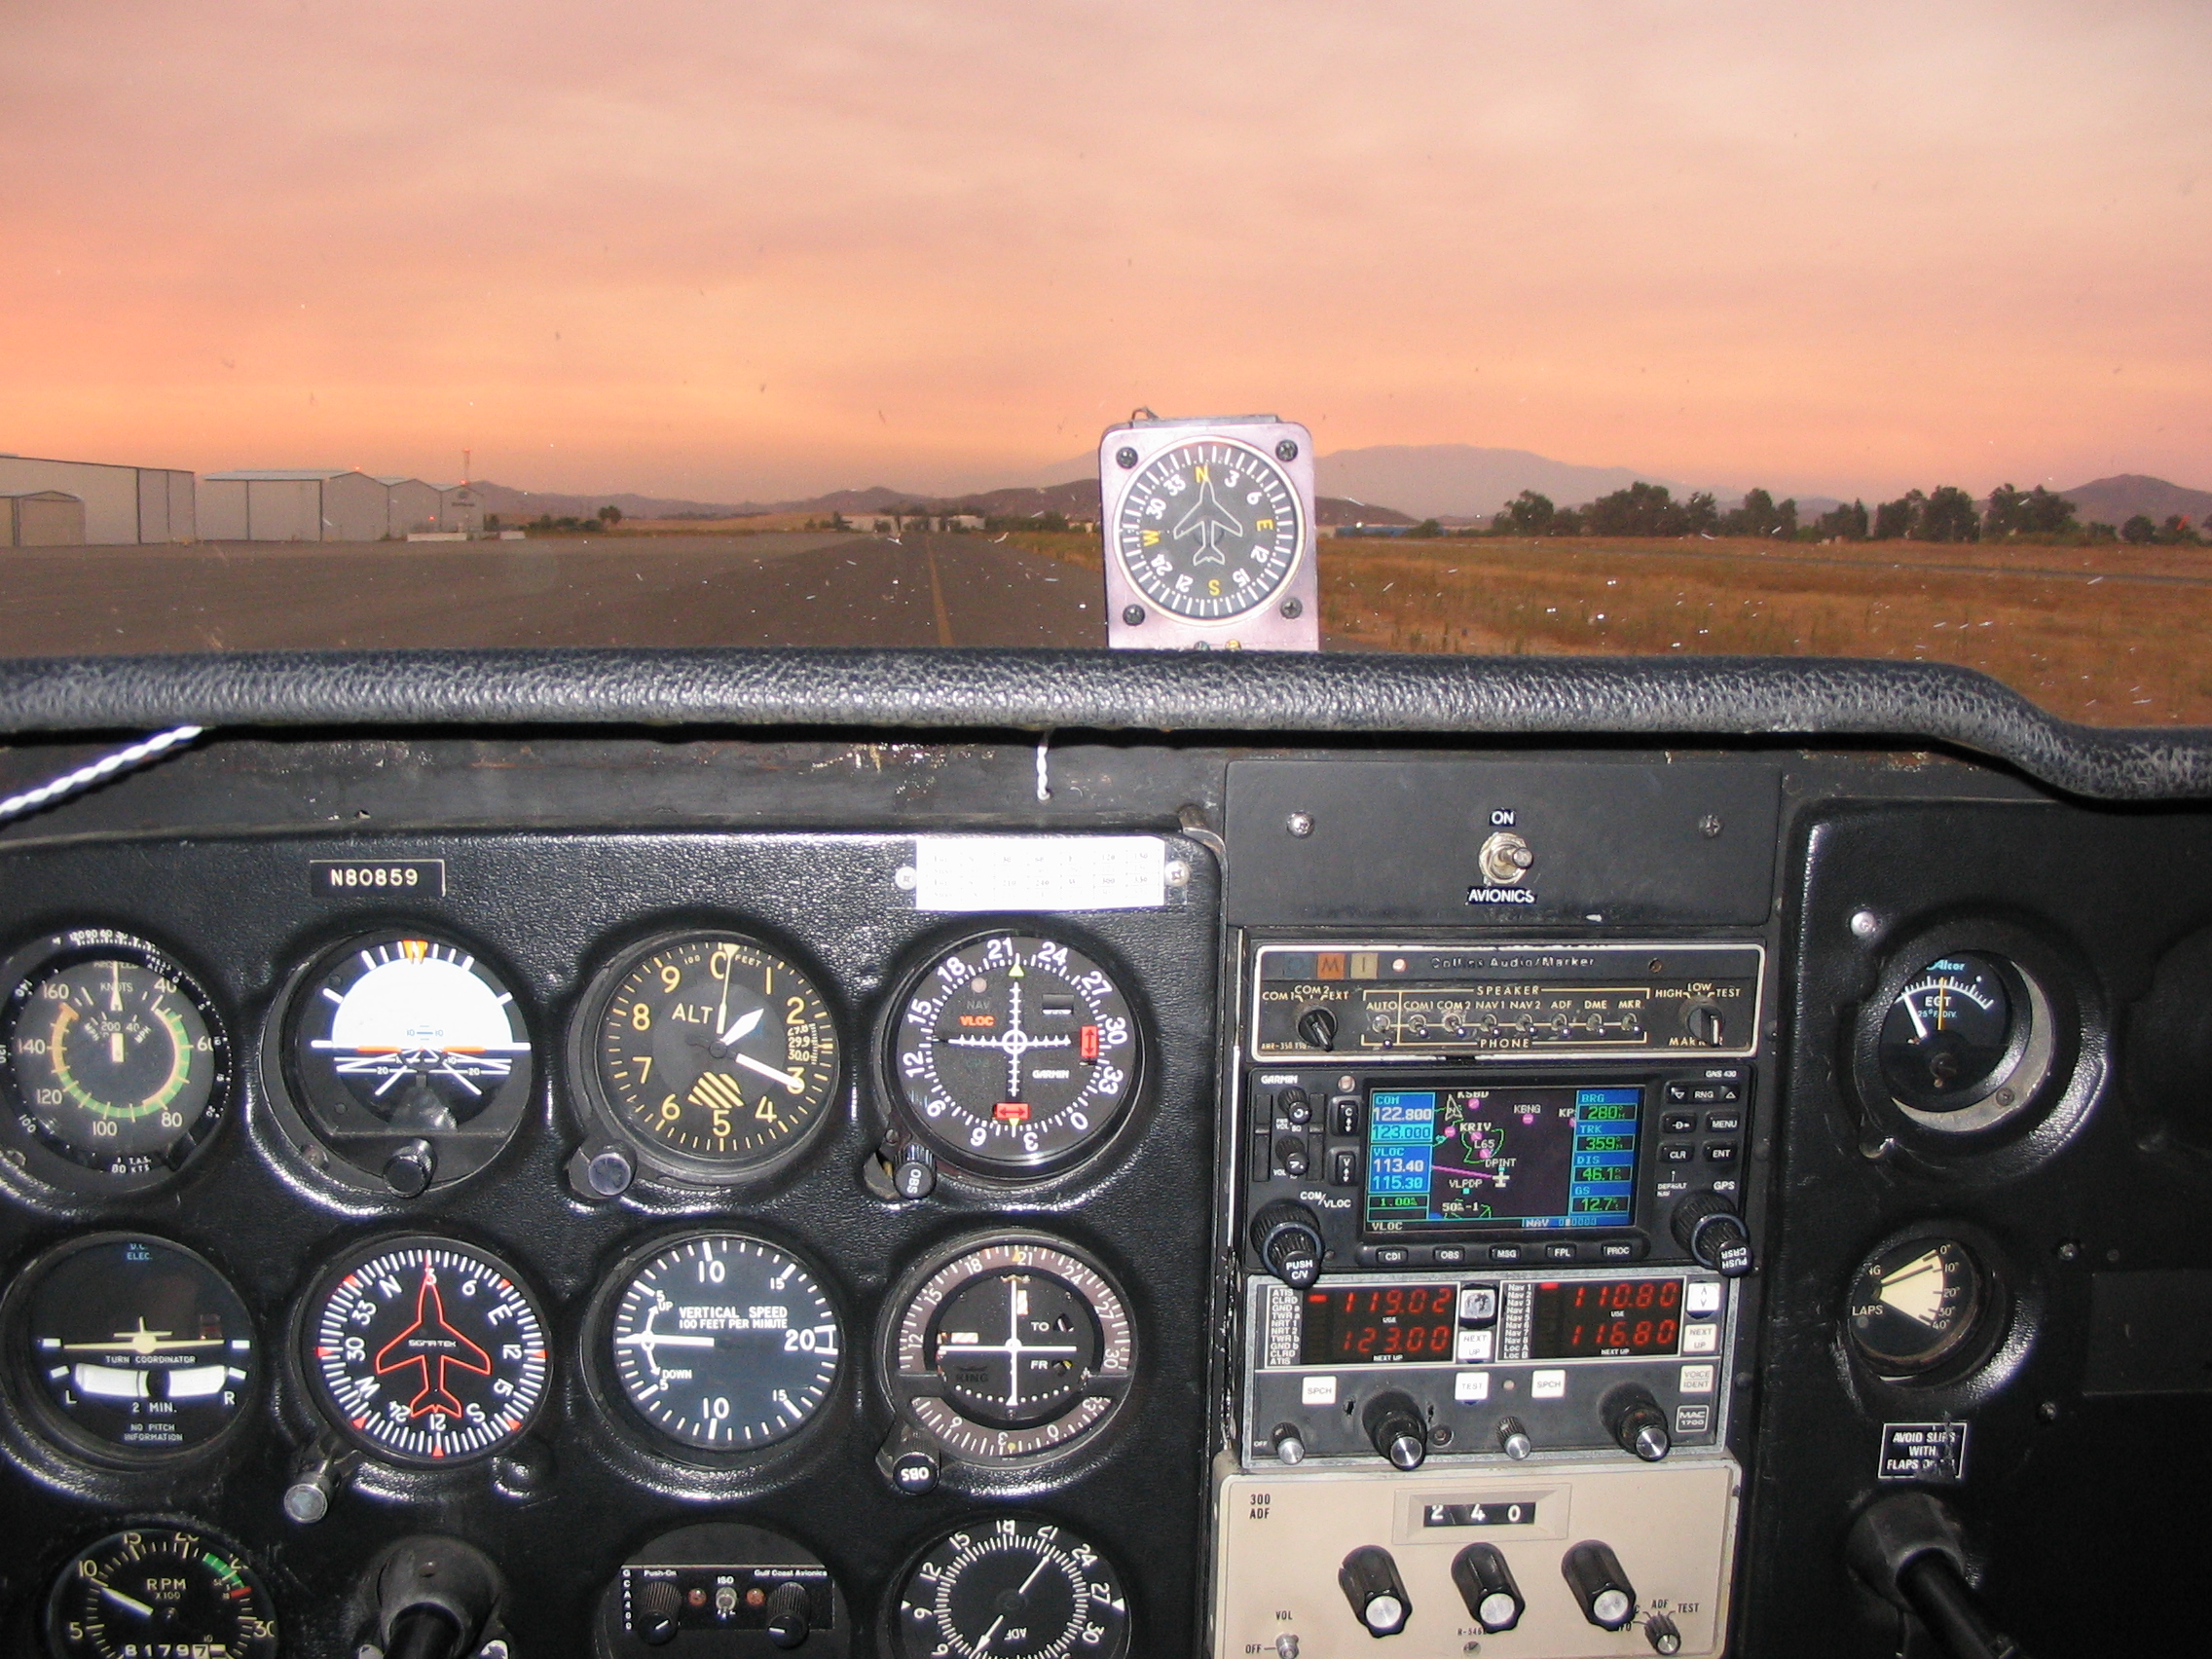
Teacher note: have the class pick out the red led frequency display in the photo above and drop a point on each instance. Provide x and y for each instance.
(1606, 1317)
(1379, 1323)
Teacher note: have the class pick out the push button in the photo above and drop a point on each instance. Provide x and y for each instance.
(1477, 1303)
(1619, 1250)
(1558, 1252)
(1725, 1122)
(1449, 1255)
(1674, 1152)
(1678, 1124)
(1343, 1115)
(1392, 1256)
(1506, 1252)
(1721, 1152)
(1344, 1168)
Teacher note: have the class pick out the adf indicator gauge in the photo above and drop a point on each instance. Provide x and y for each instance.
(1209, 530)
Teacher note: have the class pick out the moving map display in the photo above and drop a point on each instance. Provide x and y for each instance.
(1530, 1156)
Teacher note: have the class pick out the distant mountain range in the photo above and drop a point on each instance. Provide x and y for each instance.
(1386, 484)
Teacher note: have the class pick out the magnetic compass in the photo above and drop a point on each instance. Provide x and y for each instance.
(426, 1350)
(721, 1343)
(1009, 1349)
(406, 1057)
(1014, 1054)
(157, 1592)
(1209, 534)
(1916, 1304)
(1011, 1588)
(112, 1064)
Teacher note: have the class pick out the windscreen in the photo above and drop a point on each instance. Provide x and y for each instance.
(1617, 327)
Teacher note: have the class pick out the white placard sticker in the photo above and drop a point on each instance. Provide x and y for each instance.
(1316, 1391)
(1040, 872)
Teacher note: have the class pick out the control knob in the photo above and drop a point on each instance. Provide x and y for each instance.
(1706, 1226)
(1289, 1444)
(1399, 1432)
(789, 1617)
(1704, 1023)
(1486, 1584)
(1288, 1239)
(1370, 1581)
(1635, 1420)
(1664, 1635)
(1513, 1439)
(1602, 1590)
(1317, 1027)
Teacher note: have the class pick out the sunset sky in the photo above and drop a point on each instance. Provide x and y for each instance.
(730, 248)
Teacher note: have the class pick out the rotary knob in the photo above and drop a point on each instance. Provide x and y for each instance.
(1706, 1226)
(1602, 1590)
(1288, 1237)
(1370, 1581)
(1636, 1422)
(654, 1611)
(1317, 1027)
(790, 1615)
(1486, 1584)
(1399, 1432)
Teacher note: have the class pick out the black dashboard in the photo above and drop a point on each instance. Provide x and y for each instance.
(1045, 1154)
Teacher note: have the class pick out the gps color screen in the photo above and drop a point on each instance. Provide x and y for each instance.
(1531, 1157)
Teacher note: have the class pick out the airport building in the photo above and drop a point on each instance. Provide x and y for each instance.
(114, 506)
(329, 504)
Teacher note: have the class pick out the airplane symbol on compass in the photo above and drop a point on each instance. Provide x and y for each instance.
(431, 1344)
(1208, 519)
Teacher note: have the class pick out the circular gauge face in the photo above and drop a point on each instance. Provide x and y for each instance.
(1012, 1588)
(1950, 1033)
(1011, 1350)
(114, 1057)
(426, 1350)
(724, 1342)
(1209, 530)
(1016, 1054)
(1915, 1305)
(713, 1052)
(398, 1042)
(136, 1349)
(158, 1591)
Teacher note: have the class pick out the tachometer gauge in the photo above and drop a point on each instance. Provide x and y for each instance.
(426, 1350)
(713, 1053)
(158, 1591)
(723, 1343)
(1009, 1351)
(1209, 530)
(1011, 1588)
(1014, 1055)
(112, 1059)
(1915, 1305)
(406, 1057)
(134, 1349)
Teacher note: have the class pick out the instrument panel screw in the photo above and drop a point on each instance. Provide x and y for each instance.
(1287, 449)
(1134, 615)
(610, 1172)
(496, 1649)
(2069, 1251)
(1864, 924)
(1292, 609)
(1124, 458)
(1299, 824)
(1708, 826)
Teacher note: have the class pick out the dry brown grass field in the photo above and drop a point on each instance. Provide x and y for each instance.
(2109, 634)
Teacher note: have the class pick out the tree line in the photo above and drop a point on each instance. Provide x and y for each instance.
(1946, 513)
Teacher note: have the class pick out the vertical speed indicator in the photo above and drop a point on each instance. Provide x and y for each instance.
(1014, 1055)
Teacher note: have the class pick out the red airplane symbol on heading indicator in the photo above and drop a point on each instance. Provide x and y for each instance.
(431, 1339)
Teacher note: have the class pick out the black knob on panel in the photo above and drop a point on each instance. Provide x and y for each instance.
(1704, 1024)
(1486, 1584)
(1662, 1633)
(1706, 1226)
(1633, 1420)
(1398, 1429)
(1317, 1027)
(412, 1168)
(1370, 1581)
(1296, 1105)
(790, 1615)
(1602, 1590)
(1291, 1154)
(653, 1613)
(1288, 1239)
